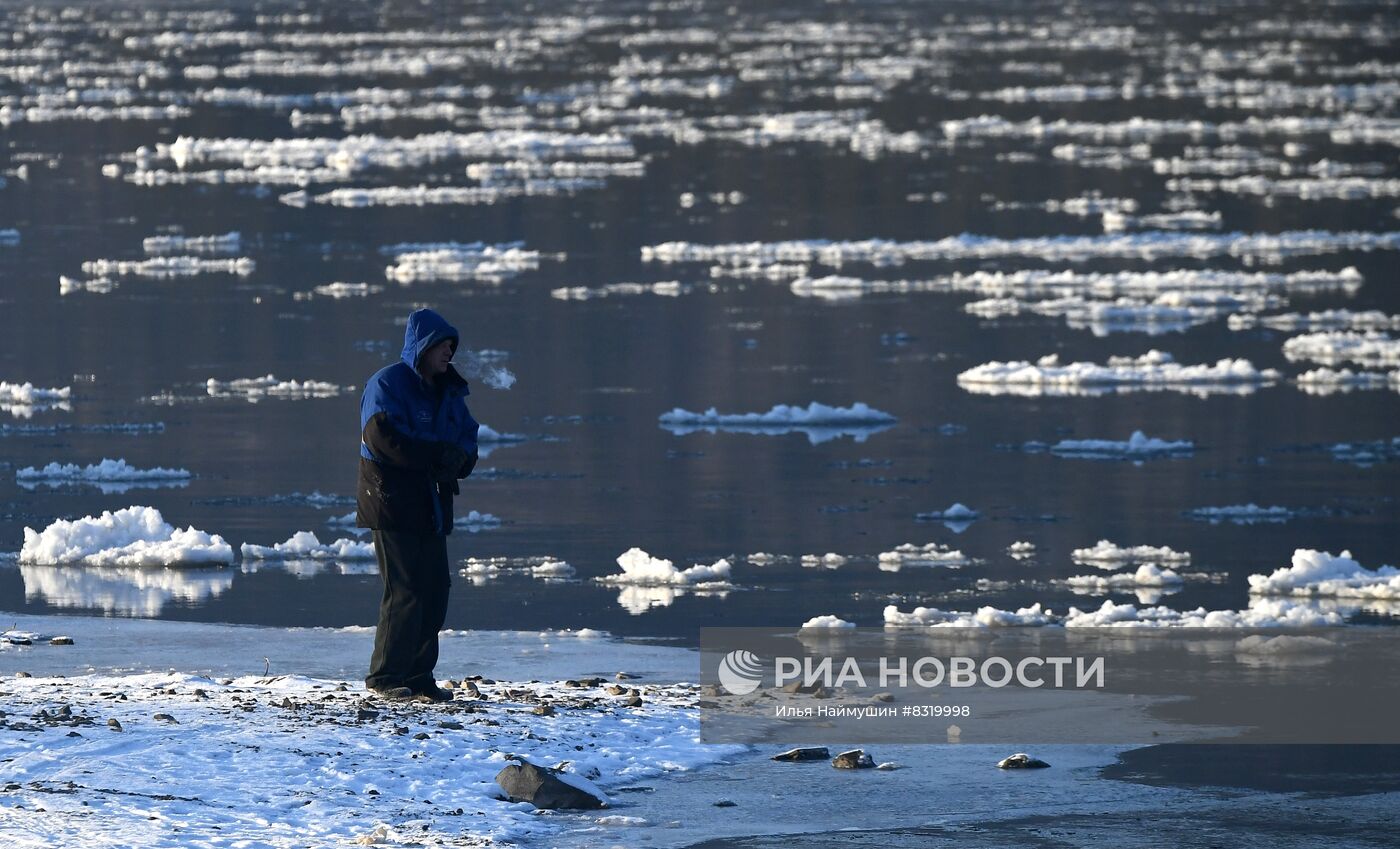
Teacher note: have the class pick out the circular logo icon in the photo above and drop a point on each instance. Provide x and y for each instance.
(740, 672)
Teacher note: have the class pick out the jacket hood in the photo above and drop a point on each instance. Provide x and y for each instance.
(425, 329)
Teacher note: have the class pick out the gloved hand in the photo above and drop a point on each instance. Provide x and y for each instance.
(450, 460)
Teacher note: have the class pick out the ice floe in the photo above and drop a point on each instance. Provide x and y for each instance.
(641, 569)
(983, 617)
(1265, 615)
(819, 422)
(133, 536)
(1319, 573)
(1155, 370)
(1146, 575)
(161, 267)
(459, 261)
(110, 476)
(23, 400)
(931, 554)
(1153, 245)
(1326, 381)
(474, 521)
(225, 243)
(1333, 347)
(826, 623)
(1339, 319)
(1021, 550)
(254, 389)
(665, 288)
(304, 544)
(1242, 514)
(1138, 445)
(1107, 555)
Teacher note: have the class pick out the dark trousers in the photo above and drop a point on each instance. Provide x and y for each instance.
(414, 569)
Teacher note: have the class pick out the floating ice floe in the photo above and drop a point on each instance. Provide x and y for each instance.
(1145, 246)
(122, 590)
(932, 554)
(983, 617)
(1168, 312)
(666, 288)
(480, 570)
(1117, 222)
(1107, 555)
(957, 518)
(1338, 346)
(1139, 445)
(1349, 129)
(126, 428)
(162, 267)
(134, 536)
(830, 560)
(23, 400)
(1302, 188)
(1341, 319)
(254, 389)
(1021, 550)
(641, 569)
(826, 623)
(1319, 573)
(819, 422)
(1242, 514)
(111, 476)
(475, 522)
(340, 291)
(1367, 453)
(9, 237)
(226, 243)
(304, 544)
(1155, 370)
(459, 261)
(1147, 575)
(1325, 381)
(1280, 614)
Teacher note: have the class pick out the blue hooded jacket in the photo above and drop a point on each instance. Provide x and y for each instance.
(405, 424)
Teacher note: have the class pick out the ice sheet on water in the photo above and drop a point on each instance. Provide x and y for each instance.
(305, 545)
(459, 261)
(1138, 445)
(225, 243)
(1154, 245)
(110, 476)
(820, 422)
(826, 622)
(1326, 381)
(1155, 370)
(1108, 555)
(1333, 347)
(254, 389)
(1146, 575)
(1242, 514)
(641, 569)
(1336, 319)
(133, 536)
(930, 554)
(1320, 573)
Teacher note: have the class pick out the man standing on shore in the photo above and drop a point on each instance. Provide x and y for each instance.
(417, 439)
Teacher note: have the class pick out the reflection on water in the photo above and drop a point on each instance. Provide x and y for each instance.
(125, 591)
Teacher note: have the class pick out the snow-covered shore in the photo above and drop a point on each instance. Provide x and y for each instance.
(223, 753)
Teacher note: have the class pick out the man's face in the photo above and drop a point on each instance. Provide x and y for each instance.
(437, 359)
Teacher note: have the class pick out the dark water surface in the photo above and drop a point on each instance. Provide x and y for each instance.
(598, 474)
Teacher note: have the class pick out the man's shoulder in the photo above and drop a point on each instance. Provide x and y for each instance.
(391, 376)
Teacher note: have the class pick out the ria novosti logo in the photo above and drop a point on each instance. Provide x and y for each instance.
(740, 672)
